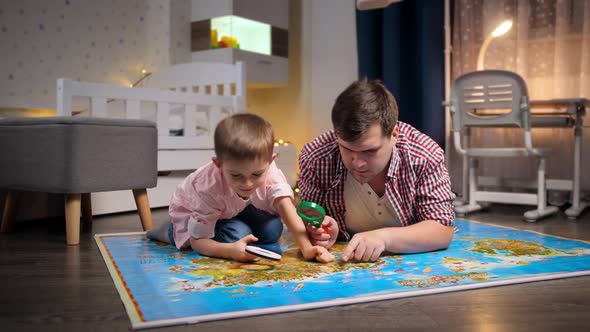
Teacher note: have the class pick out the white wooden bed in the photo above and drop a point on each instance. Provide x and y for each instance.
(186, 101)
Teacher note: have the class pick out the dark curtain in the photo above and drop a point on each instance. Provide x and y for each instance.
(403, 45)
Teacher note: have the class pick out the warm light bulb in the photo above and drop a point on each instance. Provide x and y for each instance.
(130, 85)
(502, 28)
(499, 31)
(276, 144)
(281, 141)
(373, 4)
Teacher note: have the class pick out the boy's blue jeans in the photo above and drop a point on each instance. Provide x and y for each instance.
(265, 226)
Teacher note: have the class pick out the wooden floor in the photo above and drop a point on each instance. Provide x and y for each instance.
(47, 286)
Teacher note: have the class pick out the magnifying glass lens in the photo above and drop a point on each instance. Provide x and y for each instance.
(311, 212)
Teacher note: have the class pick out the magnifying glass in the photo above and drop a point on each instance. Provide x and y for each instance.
(311, 213)
(257, 251)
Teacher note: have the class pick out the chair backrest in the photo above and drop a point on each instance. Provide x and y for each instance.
(475, 92)
(490, 98)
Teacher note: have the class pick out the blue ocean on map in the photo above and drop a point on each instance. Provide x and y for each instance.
(165, 283)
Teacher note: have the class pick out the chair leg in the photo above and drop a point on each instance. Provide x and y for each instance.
(542, 209)
(472, 205)
(87, 208)
(466, 169)
(73, 204)
(143, 207)
(465, 185)
(10, 210)
(577, 204)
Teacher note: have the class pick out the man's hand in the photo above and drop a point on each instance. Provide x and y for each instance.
(365, 246)
(318, 253)
(325, 235)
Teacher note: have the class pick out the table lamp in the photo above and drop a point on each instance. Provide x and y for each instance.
(498, 31)
(373, 4)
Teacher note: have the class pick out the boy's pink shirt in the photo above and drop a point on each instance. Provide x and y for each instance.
(204, 197)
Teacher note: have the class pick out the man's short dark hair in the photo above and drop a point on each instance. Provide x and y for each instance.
(360, 105)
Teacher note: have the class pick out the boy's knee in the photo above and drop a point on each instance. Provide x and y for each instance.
(231, 231)
(271, 232)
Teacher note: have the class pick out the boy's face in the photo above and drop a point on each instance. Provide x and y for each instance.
(243, 176)
(368, 156)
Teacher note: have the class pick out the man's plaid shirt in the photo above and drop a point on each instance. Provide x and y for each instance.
(418, 184)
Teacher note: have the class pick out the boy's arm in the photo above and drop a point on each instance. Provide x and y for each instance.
(235, 251)
(284, 205)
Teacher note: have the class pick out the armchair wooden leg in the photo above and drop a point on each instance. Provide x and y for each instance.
(87, 208)
(143, 207)
(10, 210)
(73, 203)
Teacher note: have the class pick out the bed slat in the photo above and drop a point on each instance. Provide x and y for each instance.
(163, 116)
(190, 120)
(98, 107)
(132, 109)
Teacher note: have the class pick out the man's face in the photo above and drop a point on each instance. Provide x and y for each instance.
(368, 156)
(243, 176)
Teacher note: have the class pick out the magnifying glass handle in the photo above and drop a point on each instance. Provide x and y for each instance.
(318, 224)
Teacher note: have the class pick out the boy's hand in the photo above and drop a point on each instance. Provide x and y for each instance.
(318, 253)
(238, 249)
(324, 236)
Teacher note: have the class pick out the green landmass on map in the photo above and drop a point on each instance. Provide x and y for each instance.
(514, 247)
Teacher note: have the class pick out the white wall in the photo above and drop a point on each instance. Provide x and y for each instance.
(333, 55)
(89, 40)
(322, 62)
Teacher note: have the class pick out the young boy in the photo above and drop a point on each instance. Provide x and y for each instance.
(237, 199)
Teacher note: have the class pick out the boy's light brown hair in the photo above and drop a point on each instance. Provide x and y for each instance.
(244, 136)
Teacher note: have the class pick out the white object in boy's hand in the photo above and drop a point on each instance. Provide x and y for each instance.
(263, 253)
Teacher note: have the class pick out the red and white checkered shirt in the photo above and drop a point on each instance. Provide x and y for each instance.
(418, 184)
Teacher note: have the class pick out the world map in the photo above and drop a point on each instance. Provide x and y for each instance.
(162, 283)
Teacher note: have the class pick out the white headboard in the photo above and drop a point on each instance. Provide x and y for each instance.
(202, 93)
(198, 76)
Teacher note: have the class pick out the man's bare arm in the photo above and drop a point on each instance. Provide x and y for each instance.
(428, 235)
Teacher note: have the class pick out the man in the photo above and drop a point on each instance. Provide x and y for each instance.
(381, 181)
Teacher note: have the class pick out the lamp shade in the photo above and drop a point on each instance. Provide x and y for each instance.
(502, 28)
(373, 4)
(498, 31)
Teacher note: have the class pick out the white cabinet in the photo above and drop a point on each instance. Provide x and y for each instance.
(261, 70)
(252, 31)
